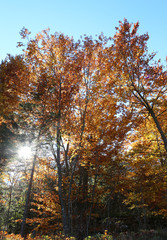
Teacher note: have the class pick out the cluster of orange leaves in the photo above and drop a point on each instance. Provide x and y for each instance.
(5, 236)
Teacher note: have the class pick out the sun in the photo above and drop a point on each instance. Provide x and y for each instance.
(24, 152)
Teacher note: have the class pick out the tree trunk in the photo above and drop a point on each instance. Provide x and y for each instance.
(57, 159)
(60, 183)
(150, 110)
(28, 196)
(164, 139)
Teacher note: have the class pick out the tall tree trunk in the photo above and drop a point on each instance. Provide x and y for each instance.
(164, 139)
(28, 195)
(60, 183)
(57, 159)
(30, 186)
(150, 110)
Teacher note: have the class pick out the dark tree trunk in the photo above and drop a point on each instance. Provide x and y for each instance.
(150, 110)
(28, 196)
(60, 183)
(164, 139)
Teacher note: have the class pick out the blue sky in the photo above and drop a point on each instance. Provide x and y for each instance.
(78, 17)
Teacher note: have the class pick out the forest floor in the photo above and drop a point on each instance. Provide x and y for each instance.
(142, 235)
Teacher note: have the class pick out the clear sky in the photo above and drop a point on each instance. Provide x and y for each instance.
(78, 17)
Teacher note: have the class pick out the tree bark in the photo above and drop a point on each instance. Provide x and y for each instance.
(164, 139)
(57, 159)
(30, 186)
(28, 195)
(60, 183)
(150, 110)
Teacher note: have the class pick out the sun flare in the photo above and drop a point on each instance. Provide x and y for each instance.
(24, 152)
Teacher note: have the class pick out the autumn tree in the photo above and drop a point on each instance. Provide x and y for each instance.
(140, 81)
(95, 112)
(45, 205)
(54, 79)
(13, 79)
(147, 174)
(69, 101)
